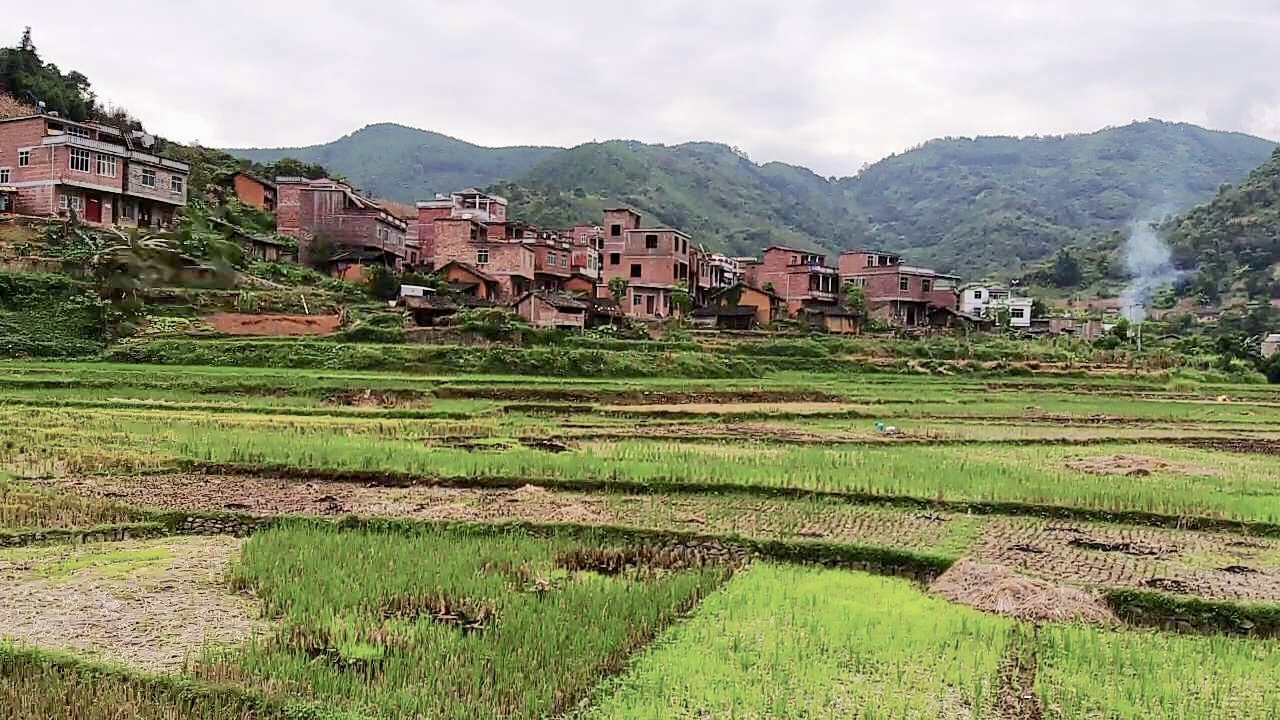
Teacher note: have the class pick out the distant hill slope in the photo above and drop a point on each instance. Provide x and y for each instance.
(1233, 241)
(406, 164)
(975, 206)
(985, 204)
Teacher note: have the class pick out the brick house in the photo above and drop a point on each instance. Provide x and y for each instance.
(740, 307)
(512, 264)
(897, 293)
(55, 167)
(469, 204)
(332, 211)
(254, 191)
(801, 278)
(653, 261)
(587, 243)
(470, 281)
(552, 309)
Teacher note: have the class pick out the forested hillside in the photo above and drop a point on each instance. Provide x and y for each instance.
(407, 164)
(1233, 242)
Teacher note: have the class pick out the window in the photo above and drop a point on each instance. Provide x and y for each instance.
(1018, 313)
(926, 285)
(106, 166)
(857, 281)
(4, 176)
(615, 231)
(482, 256)
(651, 242)
(175, 184)
(615, 258)
(78, 131)
(24, 158)
(637, 299)
(79, 160)
(977, 294)
(635, 271)
(904, 283)
(552, 260)
(67, 201)
(148, 177)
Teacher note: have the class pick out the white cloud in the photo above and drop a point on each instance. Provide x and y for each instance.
(826, 83)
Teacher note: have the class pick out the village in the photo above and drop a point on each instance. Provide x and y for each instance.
(579, 277)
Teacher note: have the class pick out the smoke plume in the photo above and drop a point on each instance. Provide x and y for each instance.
(1150, 266)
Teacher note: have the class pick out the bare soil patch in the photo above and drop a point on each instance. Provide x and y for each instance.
(1001, 590)
(1135, 466)
(1204, 564)
(154, 615)
(635, 397)
(377, 398)
(274, 325)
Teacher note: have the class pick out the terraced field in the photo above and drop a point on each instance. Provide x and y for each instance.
(219, 542)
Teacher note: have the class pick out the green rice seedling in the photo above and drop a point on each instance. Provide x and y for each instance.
(1088, 673)
(793, 642)
(444, 624)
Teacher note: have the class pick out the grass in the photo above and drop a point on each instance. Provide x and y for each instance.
(23, 507)
(1086, 673)
(362, 625)
(792, 642)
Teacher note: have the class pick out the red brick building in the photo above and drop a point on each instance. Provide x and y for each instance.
(469, 204)
(512, 264)
(587, 243)
(896, 292)
(801, 278)
(55, 167)
(254, 191)
(330, 211)
(653, 261)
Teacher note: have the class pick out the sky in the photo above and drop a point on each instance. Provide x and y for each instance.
(828, 84)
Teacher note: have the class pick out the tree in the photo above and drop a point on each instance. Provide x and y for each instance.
(383, 283)
(618, 288)
(1066, 270)
(681, 298)
(855, 300)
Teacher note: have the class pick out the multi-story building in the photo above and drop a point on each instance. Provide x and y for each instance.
(802, 278)
(512, 263)
(653, 261)
(56, 167)
(725, 271)
(989, 300)
(587, 242)
(469, 204)
(896, 292)
(330, 211)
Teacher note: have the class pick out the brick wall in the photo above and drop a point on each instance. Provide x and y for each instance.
(163, 187)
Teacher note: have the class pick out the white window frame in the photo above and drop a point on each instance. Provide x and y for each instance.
(80, 154)
(176, 184)
(904, 284)
(147, 173)
(6, 175)
(482, 256)
(69, 201)
(78, 131)
(108, 166)
(24, 158)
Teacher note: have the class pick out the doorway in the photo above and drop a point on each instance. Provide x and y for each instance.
(93, 209)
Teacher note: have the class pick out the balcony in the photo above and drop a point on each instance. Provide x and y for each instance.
(86, 143)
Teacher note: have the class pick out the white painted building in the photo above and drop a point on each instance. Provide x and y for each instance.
(1271, 345)
(987, 300)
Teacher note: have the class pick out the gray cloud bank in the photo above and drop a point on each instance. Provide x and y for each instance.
(825, 83)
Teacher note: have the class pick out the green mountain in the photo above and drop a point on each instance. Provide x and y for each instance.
(406, 164)
(1233, 241)
(719, 196)
(977, 206)
(992, 203)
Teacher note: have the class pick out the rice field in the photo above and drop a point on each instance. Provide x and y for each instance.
(525, 547)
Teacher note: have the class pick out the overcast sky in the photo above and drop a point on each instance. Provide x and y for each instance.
(829, 84)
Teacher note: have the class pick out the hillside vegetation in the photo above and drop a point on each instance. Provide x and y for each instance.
(969, 205)
(1234, 240)
(407, 164)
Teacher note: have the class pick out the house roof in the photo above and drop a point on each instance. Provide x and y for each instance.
(1272, 338)
(468, 268)
(559, 301)
(362, 255)
(742, 286)
(828, 310)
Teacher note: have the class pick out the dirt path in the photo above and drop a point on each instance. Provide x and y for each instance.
(149, 604)
(1018, 699)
